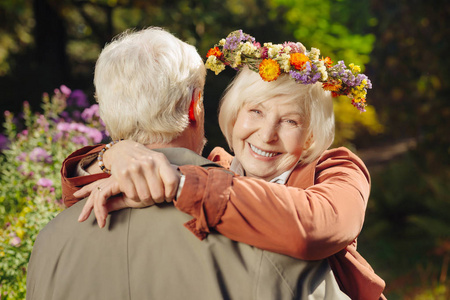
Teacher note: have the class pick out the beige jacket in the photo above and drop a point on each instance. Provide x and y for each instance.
(148, 254)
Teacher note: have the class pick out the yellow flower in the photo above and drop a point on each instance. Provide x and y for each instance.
(314, 54)
(20, 233)
(284, 62)
(355, 68)
(269, 70)
(248, 48)
(359, 93)
(214, 64)
(273, 50)
(237, 60)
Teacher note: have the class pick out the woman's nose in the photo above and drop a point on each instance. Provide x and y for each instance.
(268, 133)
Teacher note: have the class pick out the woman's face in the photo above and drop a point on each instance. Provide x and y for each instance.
(268, 138)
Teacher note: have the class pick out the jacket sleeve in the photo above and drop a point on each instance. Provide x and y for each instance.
(69, 184)
(310, 223)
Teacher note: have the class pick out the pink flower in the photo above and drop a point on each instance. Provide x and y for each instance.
(22, 157)
(15, 241)
(95, 135)
(65, 90)
(39, 154)
(63, 126)
(44, 182)
(90, 112)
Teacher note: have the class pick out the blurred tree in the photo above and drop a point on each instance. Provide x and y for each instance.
(69, 34)
(412, 63)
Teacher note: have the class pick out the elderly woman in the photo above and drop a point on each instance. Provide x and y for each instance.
(296, 198)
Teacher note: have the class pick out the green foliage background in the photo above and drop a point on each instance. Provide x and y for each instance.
(401, 45)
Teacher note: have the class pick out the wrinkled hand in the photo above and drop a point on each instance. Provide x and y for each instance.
(103, 197)
(142, 174)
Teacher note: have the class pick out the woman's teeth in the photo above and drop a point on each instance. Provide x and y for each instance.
(262, 153)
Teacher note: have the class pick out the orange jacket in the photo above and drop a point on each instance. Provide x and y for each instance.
(318, 214)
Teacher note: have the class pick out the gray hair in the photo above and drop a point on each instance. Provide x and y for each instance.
(144, 82)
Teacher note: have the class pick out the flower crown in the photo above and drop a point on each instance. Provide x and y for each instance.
(271, 60)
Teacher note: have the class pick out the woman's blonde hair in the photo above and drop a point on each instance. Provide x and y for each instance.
(315, 104)
(144, 82)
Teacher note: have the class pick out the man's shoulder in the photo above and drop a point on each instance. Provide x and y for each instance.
(183, 156)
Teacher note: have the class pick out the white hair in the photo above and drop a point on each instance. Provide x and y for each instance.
(315, 104)
(144, 82)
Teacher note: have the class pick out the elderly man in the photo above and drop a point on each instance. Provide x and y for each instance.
(149, 86)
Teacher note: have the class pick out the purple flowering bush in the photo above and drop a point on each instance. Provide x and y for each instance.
(32, 149)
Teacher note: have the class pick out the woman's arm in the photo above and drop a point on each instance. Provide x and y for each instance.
(71, 183)
(310, 223)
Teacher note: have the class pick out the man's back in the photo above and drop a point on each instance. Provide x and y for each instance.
(149, 254)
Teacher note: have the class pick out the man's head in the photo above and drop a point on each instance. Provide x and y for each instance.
(145, 82)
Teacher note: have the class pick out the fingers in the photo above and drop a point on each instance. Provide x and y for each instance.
(170, 176)
(86, 190)
(105, 188)
(86, 211)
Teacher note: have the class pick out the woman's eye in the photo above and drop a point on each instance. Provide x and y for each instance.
(291, 122)
(256, 111)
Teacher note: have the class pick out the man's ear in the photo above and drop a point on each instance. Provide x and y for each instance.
(194, 107)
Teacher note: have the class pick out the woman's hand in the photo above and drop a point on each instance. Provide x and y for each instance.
(142, 174)
(104, 197)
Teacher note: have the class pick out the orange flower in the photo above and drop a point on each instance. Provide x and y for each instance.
(334, 94)
(269, 69)
(298, 60)
(333, 86)
(327, 61)
(214, 51)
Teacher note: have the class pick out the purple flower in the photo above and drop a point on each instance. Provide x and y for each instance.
(44, 182)
(3, 142)
(78, 98)
(40, 155)
(80, 140)
(308, 76)
(234, 38)
(58, 136)
(76, 115)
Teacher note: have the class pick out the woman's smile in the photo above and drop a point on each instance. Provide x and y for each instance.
(259, 152)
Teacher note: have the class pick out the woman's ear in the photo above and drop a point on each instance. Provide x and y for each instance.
(308, 142)
(195, 105)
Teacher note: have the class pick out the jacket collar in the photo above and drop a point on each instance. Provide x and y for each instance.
(303, 176)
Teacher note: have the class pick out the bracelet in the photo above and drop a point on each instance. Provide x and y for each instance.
(101, 164)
